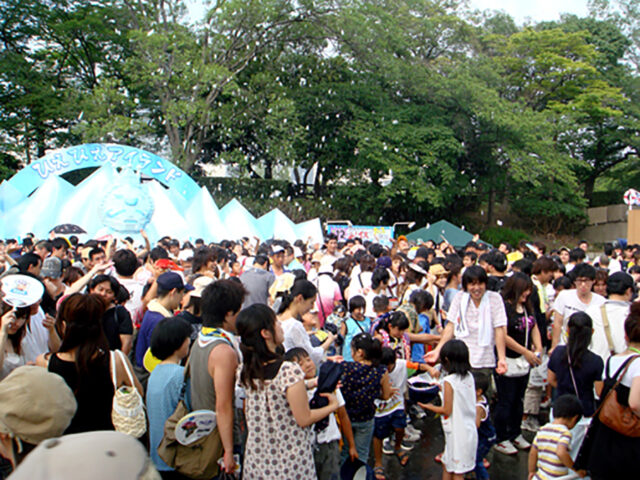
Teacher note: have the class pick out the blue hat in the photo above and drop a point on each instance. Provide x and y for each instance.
(355, 470)
(170, 280)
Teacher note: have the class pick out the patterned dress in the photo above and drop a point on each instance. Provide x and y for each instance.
(277, 447)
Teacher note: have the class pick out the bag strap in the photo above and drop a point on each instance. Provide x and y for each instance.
(625, 365)
(573, 379)
(185, 379)
(112, 362)
(607, 328)
(126, 368)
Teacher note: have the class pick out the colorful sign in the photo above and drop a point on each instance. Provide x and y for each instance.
(381, 235)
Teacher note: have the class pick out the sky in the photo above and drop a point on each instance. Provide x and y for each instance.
(520, 10)
(538, 10)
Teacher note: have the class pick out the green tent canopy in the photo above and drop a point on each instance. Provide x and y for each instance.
(454, 235)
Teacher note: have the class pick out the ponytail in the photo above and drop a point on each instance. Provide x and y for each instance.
(300, 287)
(371, 347)
(580, 332)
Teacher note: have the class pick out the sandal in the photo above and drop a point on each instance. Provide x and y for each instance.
(438, 458)
(485, 463)
(379, 473)
(403, 457)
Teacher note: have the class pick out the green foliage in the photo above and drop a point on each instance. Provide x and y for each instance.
(497, 235)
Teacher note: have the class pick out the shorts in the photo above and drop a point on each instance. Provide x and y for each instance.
(532, 400)
(386, 425)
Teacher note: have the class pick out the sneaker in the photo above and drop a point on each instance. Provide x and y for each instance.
(506, 448)
(530, 424)
(412, 430)
(406, 446)
(418, 412)
(387, 447)
(546, 403)
(521, 443)
(408, 437)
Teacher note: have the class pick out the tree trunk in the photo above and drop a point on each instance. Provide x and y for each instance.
(490, 201)
(589, 184)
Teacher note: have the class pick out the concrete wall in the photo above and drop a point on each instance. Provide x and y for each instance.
(606, 224)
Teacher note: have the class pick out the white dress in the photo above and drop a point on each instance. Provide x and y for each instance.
(460, 433)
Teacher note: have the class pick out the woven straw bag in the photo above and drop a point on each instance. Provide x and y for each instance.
(127, 413)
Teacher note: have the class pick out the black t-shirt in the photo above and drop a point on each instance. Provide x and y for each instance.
(517, 328)
(495, 283)
(115, 322)
(590, 371)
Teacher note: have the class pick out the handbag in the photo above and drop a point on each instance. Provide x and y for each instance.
(519, 366)
(127, 413)
(198, 460)
(612, 414)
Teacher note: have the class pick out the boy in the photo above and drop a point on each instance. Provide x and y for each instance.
(390, 415)
(549, 456)
(486, 432)
(170, 342)
(326, 447)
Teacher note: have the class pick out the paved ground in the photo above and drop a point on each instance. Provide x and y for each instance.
(421, 465)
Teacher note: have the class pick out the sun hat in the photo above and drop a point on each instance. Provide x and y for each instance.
(35, 404)
(99, 455)
(199, 284)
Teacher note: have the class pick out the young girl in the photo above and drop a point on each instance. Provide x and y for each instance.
(363, 381)
(276, 407)
(354, 324)
(486, 432)
(458, 411)
(393, 334)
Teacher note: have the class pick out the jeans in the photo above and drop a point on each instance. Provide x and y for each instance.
(508, 412)
(363, 436)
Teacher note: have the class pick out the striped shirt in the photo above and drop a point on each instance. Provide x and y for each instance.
(547, 441)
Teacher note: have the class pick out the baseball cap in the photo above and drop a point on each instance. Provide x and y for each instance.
(297, 253)
(166, 264)
(170, 280)
(277, 249)
(51, 267)
(199, 284)
(317, 257)
(402, 238)
(35, 404)
(101, 455)
(437, 269)
(417, 268)
(21, 290)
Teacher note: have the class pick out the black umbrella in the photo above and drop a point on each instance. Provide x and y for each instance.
(67, 228)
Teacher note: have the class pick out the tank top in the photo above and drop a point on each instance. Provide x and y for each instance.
(94, 395)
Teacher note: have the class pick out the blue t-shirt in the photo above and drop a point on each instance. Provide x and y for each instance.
(353, 328)
(417, 349)
(163, 393)
(143, 341)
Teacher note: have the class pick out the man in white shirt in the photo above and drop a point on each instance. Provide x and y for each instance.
(569, 302)
(610, 337)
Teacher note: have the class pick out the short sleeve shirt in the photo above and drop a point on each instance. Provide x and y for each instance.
(547, 441)
(360, 387)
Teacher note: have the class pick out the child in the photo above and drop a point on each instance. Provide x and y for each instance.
(423, 303)
(354, 324)
(486, 432)
(363, 381)
(390, 414)
(393, 334)
(170, 343)
(326, 446)
(458, 411)
(549, 456)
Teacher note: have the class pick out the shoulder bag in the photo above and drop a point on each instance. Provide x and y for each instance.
(127, 413)
(198, 460)
(519, 366)
(611, 413)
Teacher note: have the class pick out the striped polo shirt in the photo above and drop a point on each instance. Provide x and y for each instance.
(547, 441)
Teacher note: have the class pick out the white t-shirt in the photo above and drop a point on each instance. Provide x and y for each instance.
(360, 284)
(134, 304)
(36, 339)
(567, 303)
(614, 364)
(617, 312)
(296, 336)
(398, 379)
(332, 432)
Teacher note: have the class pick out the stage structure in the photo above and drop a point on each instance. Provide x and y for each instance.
(131, 189)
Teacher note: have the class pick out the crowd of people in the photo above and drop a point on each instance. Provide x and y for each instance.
(317, 358)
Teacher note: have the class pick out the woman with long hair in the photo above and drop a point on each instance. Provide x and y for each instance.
(13, 326)
(524, 349)
(294, 304)
(575, 370)
(605, 453)
(83, 362)
(277, 406)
